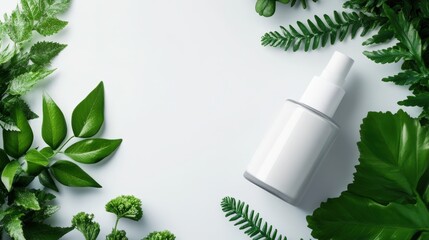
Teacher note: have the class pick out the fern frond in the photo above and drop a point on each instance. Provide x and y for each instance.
(317, 33)
(248, 220)
(389, 55)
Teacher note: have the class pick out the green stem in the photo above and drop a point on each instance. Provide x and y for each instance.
(62, 146)
(116, 224)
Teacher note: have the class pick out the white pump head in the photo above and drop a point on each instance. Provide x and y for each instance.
(325, 92)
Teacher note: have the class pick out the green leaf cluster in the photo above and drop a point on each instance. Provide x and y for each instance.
(248, 220)
(20, 164)
(124, 206)
(267, 8)
(24, 63)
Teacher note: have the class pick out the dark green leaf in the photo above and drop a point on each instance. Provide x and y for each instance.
(421, 100)
(92, 150)
(70, 174)
(88, 116)
(42, 53)
(27, 200)
(41, 231)
(388, 55)
(4, 159)
(265, 8)
(382, 36)
(18, 27)
(406, 77)
(54, 127)
(9, 173)
(46, 180)
(24, 82)
(50, 25)
(16, 143)
(36, 162)
(354, 217)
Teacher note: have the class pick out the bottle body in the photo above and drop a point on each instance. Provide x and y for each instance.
(289, 154)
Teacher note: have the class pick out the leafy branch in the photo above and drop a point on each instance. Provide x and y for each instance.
(250, 222)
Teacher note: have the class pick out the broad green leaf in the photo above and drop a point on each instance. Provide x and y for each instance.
(46, 180)
(47, 152)
(407, 77)
(265, 8)
(4, 159)
(41, 231)
(42, 53)
(18, 27)
(13, 226)
(88, 116)
(354, 217)
(36, 162)
(394, 153)
(421, 100)
(424, 236)
(54, 127)
(92, 150)
(50, 25)
(9, 173)
(70, 174)
(388, 55)
(27, 200)
(25, 82)
(16, 143)
(405, 32)
(57, 6)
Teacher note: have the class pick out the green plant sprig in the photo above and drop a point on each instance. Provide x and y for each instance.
(267, 8)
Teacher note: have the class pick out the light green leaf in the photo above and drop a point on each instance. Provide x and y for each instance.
(70, 174)
(46, 180)
(25, 82)
(4, 159)
(33, 9)
(36, 162)
(57, 6)
(42, 53)
(54, 127)
(41, 231)
(9, 173)
(88, 116)
(92, 150)
(354, 217)
(18, 27)
(13, 226)
(394, 149)
(16, 143)
(47, 152)
(50, 25)
(27, 200)
(6, 54)
(388, 55)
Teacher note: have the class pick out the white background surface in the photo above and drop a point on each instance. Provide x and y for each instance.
(192, 92)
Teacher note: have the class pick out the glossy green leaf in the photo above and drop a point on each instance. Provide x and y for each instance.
(4, 159)
(47, 152)
(9, 173)
(354, 217)
(46, 180)
(42, 53)
(88, 116)
(50, 25)
(70, 174)
(92, 150)
(36, 162)
(16, 143)
(27, 200)
(54, 127)
(41, 231)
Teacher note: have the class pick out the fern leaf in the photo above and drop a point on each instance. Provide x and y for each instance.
(385, 34)
(388, 55)
(251, 223)
(407, 77)
(317, 33)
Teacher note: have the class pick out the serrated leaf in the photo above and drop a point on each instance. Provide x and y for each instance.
(36, 162)
(13, 226)
(25, 82)
(54, 127)
(421, 100)
(394, 149)
(70, 174)
(15, 143)
(88, 116)
(92, 150)
(18, 27)
(33, 9)
(388, 55)
(27, 200)
(50, 25)
(7, 54)
(382, 36)
(46, 180)
(354, 217)
(42, 53)
(57, 6)
(9, 173)
(41, 231)
(406, 77)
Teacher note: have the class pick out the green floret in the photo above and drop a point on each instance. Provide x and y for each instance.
(126, 206)
(85, 224)
(117, 235)
(164, 235)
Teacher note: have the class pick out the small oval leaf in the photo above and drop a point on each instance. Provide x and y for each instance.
(9, 172)
(54, 127)
(88, 116)
(36, 162)
(17, 143)
(4, 159)
(46, 180)
(70, 174)
(92, 150)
